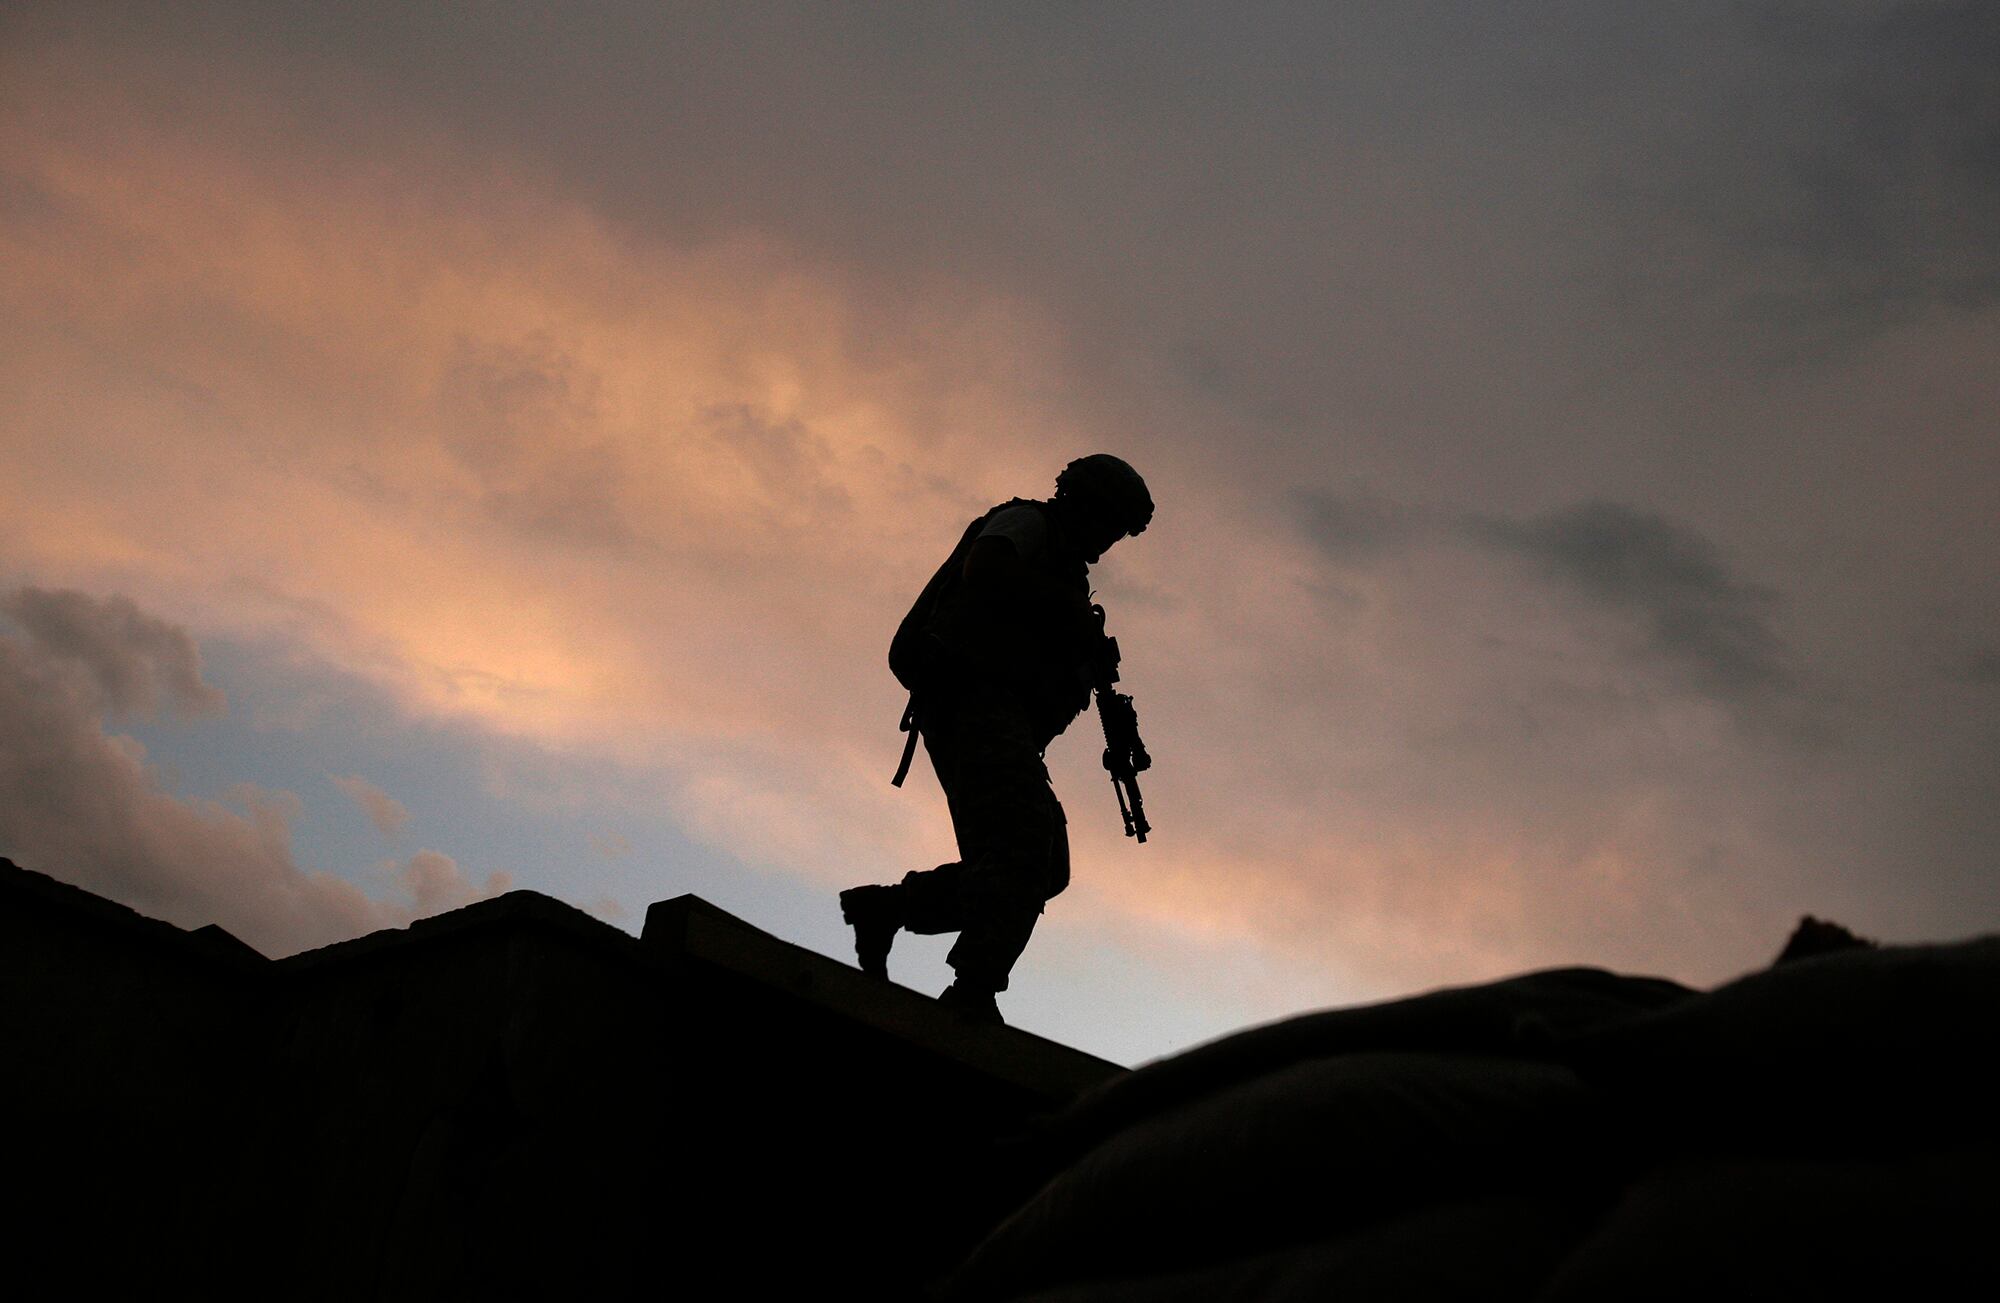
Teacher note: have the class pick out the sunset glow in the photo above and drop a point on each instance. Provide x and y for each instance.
(1561, 558)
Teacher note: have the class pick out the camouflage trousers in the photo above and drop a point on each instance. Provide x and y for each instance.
(1013, 840)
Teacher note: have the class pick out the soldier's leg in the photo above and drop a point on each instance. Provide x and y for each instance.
(1002, 904)
(1013, 850)
(1014, 843)
(926, 901)
(932, 899)
(977, 752)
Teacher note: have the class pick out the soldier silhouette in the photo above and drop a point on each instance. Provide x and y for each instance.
(997, 653)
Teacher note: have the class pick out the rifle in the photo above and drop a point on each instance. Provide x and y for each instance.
(1124, 754)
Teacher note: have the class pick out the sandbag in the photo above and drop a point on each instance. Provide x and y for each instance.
(1478, 1251)
(1521, 1015)
(1306, 1152)
(1728, 1229)
(1885, 1049)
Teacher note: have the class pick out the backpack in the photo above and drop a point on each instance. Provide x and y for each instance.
(915, 653)
(916, 656)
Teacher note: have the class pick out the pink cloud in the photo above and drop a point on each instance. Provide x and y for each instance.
(84, 806)
(131, 663)
(383, 810)
(434, 883)
(420, 413)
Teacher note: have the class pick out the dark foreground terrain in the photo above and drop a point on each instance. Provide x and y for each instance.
(515, 1100)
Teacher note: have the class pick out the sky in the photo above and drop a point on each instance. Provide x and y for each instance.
(452, 449)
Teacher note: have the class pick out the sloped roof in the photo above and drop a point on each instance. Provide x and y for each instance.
(685, 930)
(689, 928)
(398, 1107)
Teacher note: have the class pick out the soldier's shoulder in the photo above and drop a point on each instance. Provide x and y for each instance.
(1022, 522)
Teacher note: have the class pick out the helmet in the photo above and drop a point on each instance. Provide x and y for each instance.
(1110, 486)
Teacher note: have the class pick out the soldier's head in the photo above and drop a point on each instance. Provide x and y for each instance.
(1102, 500)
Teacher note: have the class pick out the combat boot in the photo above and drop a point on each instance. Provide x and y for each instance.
(876, 915)
(970, 1004)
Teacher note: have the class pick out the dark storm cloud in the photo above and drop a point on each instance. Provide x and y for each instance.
(1699, 617)
(1697, 614)
(1286, 209)
(1354, 526)
(1840, 168)
(135, 663)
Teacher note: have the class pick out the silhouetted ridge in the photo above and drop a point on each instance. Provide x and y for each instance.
(513, 1100)
(517, 1100)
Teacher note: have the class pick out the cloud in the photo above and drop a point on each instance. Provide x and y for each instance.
(1834, 172)
(611, 846)
(1688, 614)
(1694, 612)
(434, 883)
(133, 664)
(592, 474)
(85, 807)
(383, 810)
(613, 389)
(1355, 526)
(517, 416)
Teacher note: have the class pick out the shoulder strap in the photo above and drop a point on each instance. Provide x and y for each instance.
(910, 726)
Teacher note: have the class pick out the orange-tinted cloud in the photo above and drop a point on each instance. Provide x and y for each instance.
(286, 364)
(466, 438)
(383, 810)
